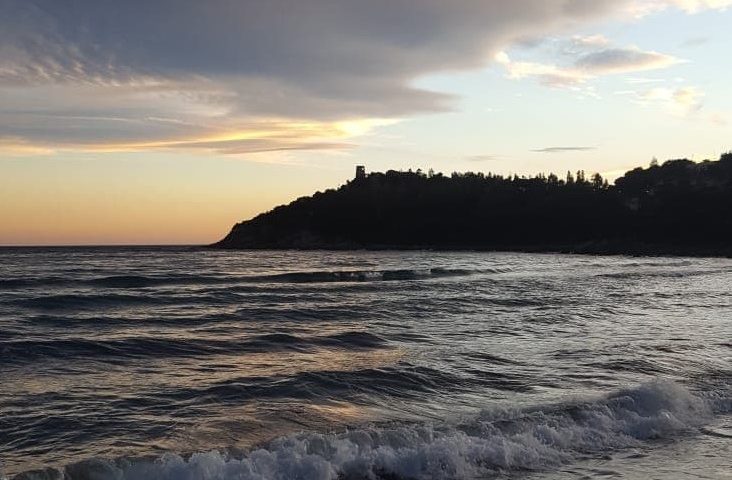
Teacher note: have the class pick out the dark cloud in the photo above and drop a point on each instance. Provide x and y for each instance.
(111, 66)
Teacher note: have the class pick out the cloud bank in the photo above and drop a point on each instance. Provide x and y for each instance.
(250, 76)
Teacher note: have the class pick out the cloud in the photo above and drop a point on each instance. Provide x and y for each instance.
(694, 6)
(20, 147)
(563, 149)
(640, 80)
(622, 60)
(685, 98)
(604, 61)
(165, 73)
(482, 158)
(646, 7)
(718, 119)
(681, 101)
(589, 41)
(172, 73)
(547, 74)
(694, 42)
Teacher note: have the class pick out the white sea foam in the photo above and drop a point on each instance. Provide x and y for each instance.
(497, 441)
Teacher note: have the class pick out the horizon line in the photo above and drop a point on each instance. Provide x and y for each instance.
(103, 245)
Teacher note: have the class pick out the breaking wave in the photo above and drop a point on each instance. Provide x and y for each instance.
(496, 442)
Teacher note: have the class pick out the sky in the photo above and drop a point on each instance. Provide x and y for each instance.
(167, 121)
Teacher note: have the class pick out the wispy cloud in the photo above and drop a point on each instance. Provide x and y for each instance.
(694, 42)
(482, 158)
(589, 41)
(563, 149)
(719, 119)
(605, 61)
(641, 81)
(695, 6)
(19, 147)
(622, 60)
(682, 101)
(547, 74)
(641, 8)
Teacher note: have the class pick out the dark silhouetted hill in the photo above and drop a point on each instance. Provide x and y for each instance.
(680, 207)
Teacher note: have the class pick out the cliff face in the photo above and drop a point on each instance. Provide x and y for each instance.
(680, 207)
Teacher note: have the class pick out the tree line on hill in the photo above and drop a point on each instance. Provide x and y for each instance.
(679, 206)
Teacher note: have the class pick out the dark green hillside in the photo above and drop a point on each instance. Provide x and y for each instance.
(678, 207)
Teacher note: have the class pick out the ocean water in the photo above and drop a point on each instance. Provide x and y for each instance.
(195, 364)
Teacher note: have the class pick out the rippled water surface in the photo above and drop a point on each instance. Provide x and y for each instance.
(178, 363)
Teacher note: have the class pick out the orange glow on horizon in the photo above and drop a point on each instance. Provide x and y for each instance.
(280, 132)
(142, 199)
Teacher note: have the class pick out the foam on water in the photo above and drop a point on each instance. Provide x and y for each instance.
(497, 441)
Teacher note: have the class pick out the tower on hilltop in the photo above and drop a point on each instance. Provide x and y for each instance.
(360, 172)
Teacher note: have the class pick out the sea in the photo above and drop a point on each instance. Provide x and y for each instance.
(182, 363)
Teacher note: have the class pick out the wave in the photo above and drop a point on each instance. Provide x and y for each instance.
(87, 301)
(663, 273)
(407, 381)
(369, 275)
(112, 281)
(13, 283)
(495, 443)
(142, 281)
(667, 263)
(639, 365)
(14, 351)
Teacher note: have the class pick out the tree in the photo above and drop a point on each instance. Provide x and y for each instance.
(597, 181)
(684, 205)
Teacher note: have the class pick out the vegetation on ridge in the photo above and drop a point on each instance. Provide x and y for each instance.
(680, 204)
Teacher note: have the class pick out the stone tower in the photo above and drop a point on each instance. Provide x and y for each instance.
(360, 172)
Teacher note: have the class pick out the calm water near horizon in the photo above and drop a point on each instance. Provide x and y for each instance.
(182, 363)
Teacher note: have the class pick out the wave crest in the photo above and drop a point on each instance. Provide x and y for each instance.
(497, 441)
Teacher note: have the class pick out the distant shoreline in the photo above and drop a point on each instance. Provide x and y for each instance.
(680, 208)
(589, 249)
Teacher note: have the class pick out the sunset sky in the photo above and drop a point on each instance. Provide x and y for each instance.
(166, 121)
